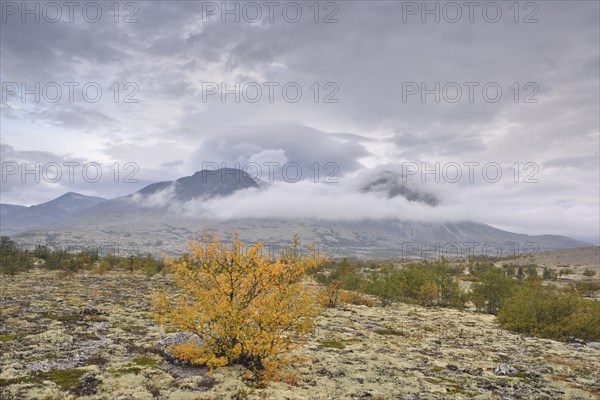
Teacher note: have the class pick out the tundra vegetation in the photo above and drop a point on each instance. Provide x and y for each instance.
(515, 293)
(14, 259)
(254, 310)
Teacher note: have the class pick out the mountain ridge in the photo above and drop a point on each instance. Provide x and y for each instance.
(148, 217)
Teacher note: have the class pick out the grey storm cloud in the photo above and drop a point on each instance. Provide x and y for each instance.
(280, 144)
(371, 55)
(32, 177)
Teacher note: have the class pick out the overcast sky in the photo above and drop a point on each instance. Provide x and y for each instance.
(384, 86)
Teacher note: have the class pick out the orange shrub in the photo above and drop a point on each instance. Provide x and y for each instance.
(247, 307)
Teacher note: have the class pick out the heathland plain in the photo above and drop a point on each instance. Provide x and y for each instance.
(91, 335)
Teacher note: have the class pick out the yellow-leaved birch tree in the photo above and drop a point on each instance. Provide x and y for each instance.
(248, 307)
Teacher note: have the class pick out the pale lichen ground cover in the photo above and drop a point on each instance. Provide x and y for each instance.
(49, 349)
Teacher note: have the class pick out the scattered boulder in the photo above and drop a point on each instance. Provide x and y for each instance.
(505, 369)
(594, 345)
(475, 372)
(330, 374)
(165, 344)
(93, 311)
(88, 385)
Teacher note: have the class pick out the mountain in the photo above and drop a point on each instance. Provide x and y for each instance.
(203, 184)
(161, 218)
(19, 218)
(393, 185)
(7, 209)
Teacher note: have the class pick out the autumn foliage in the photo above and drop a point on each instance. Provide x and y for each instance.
(248, 307)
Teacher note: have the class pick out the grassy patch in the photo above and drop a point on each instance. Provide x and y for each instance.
(49, 356)
(522, 374)
(65, 378)
(64, 318)
(132, 328)
(455, 389)
(126, 371)
(145, 361)
(16, 381)
(8, 338)
(388, 332)
(332, 344)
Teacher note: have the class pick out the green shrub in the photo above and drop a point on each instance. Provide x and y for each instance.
(427, 284)
(509, 269)
(532, 271)
(589, 272)
(537, 310)
(12, 259)
(549, 274)
(478, 268)
(348, 274)
(385, 284)
(490, 294)
(564, 270)
(587, 288)
(152, 266)
(424, 278)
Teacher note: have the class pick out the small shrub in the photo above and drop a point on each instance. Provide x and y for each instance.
(478, 268)
(428, 294)
(490, 294)
(385, 285)
(565, 270)
(329, 296)
(248, 308)
(589, 272)
(532, 271)
(549, 274)
(537, 310)
(13, 259)
(355, 298)
(428, 284)
(587, 288)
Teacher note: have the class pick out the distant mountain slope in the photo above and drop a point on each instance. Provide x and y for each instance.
(7, 209)
(147, 230)
(202, 184)
(151, 220)
(45, 214)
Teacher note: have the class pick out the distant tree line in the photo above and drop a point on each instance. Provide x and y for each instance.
(14, 259)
